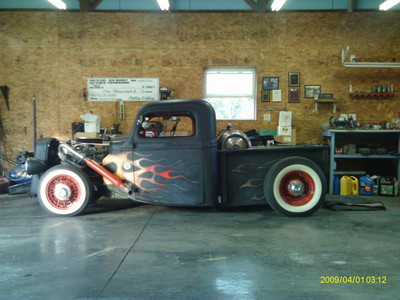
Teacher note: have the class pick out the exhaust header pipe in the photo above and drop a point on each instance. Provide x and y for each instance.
(97, 168)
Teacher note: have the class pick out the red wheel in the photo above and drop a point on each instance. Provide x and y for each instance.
(64, 190)
(295, 186)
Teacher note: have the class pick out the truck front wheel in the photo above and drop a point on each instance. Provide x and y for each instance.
(295, 187)
(64, 190)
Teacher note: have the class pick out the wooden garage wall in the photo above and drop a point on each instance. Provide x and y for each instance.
(50, 55)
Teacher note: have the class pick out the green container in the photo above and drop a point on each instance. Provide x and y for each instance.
(268, 132)
(387, 186)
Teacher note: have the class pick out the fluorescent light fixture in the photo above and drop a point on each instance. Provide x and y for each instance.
(388, 4)
(58, 3)
(277, 4)
(164, 4)
(365, 64)
(362, 64)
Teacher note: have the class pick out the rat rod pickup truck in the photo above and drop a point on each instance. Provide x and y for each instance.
(173, 157)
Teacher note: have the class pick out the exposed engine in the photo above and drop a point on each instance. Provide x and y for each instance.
(88, 151)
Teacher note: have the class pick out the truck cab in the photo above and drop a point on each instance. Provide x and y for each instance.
(170, 155)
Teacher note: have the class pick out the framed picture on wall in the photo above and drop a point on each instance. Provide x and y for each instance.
(312, 91)
(265, 96)
(270, 83)
(294, 79)
(294, 96)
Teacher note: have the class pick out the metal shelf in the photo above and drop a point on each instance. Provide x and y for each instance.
(360, 156)
(376, 135)
(371, 95)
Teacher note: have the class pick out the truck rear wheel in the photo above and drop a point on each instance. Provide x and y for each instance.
(65, 190)
(295, 187)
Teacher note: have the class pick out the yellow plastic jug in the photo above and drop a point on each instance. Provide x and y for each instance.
(355, 190)
(345, 186)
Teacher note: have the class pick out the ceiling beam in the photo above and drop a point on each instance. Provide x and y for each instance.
(96, 3)
(87, 5)
(251, 4)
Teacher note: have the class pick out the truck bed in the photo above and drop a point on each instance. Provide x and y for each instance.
(242, 172)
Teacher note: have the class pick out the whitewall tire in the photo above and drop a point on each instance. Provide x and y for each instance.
(64, 190)
(295, 186)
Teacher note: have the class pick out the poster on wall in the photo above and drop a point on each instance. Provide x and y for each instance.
(276, 95)
(125, 89)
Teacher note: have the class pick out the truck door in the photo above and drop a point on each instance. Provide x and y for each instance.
(167, 160)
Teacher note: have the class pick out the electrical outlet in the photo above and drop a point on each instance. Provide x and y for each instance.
(353, 116)
(267, 117)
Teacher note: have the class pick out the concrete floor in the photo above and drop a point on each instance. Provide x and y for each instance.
(121, 250)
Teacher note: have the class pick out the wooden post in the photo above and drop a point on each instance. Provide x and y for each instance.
(350, 5)
(261, 4)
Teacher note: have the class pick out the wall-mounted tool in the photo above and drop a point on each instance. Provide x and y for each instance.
(4, 91)
(34, 121)
(121, 110)
(166, 93)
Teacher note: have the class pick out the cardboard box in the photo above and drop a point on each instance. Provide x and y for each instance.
(285, 119)
(287, 139)
(284, 130)
(86, 135)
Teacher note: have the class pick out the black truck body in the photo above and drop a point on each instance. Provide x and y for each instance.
(156, 165)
